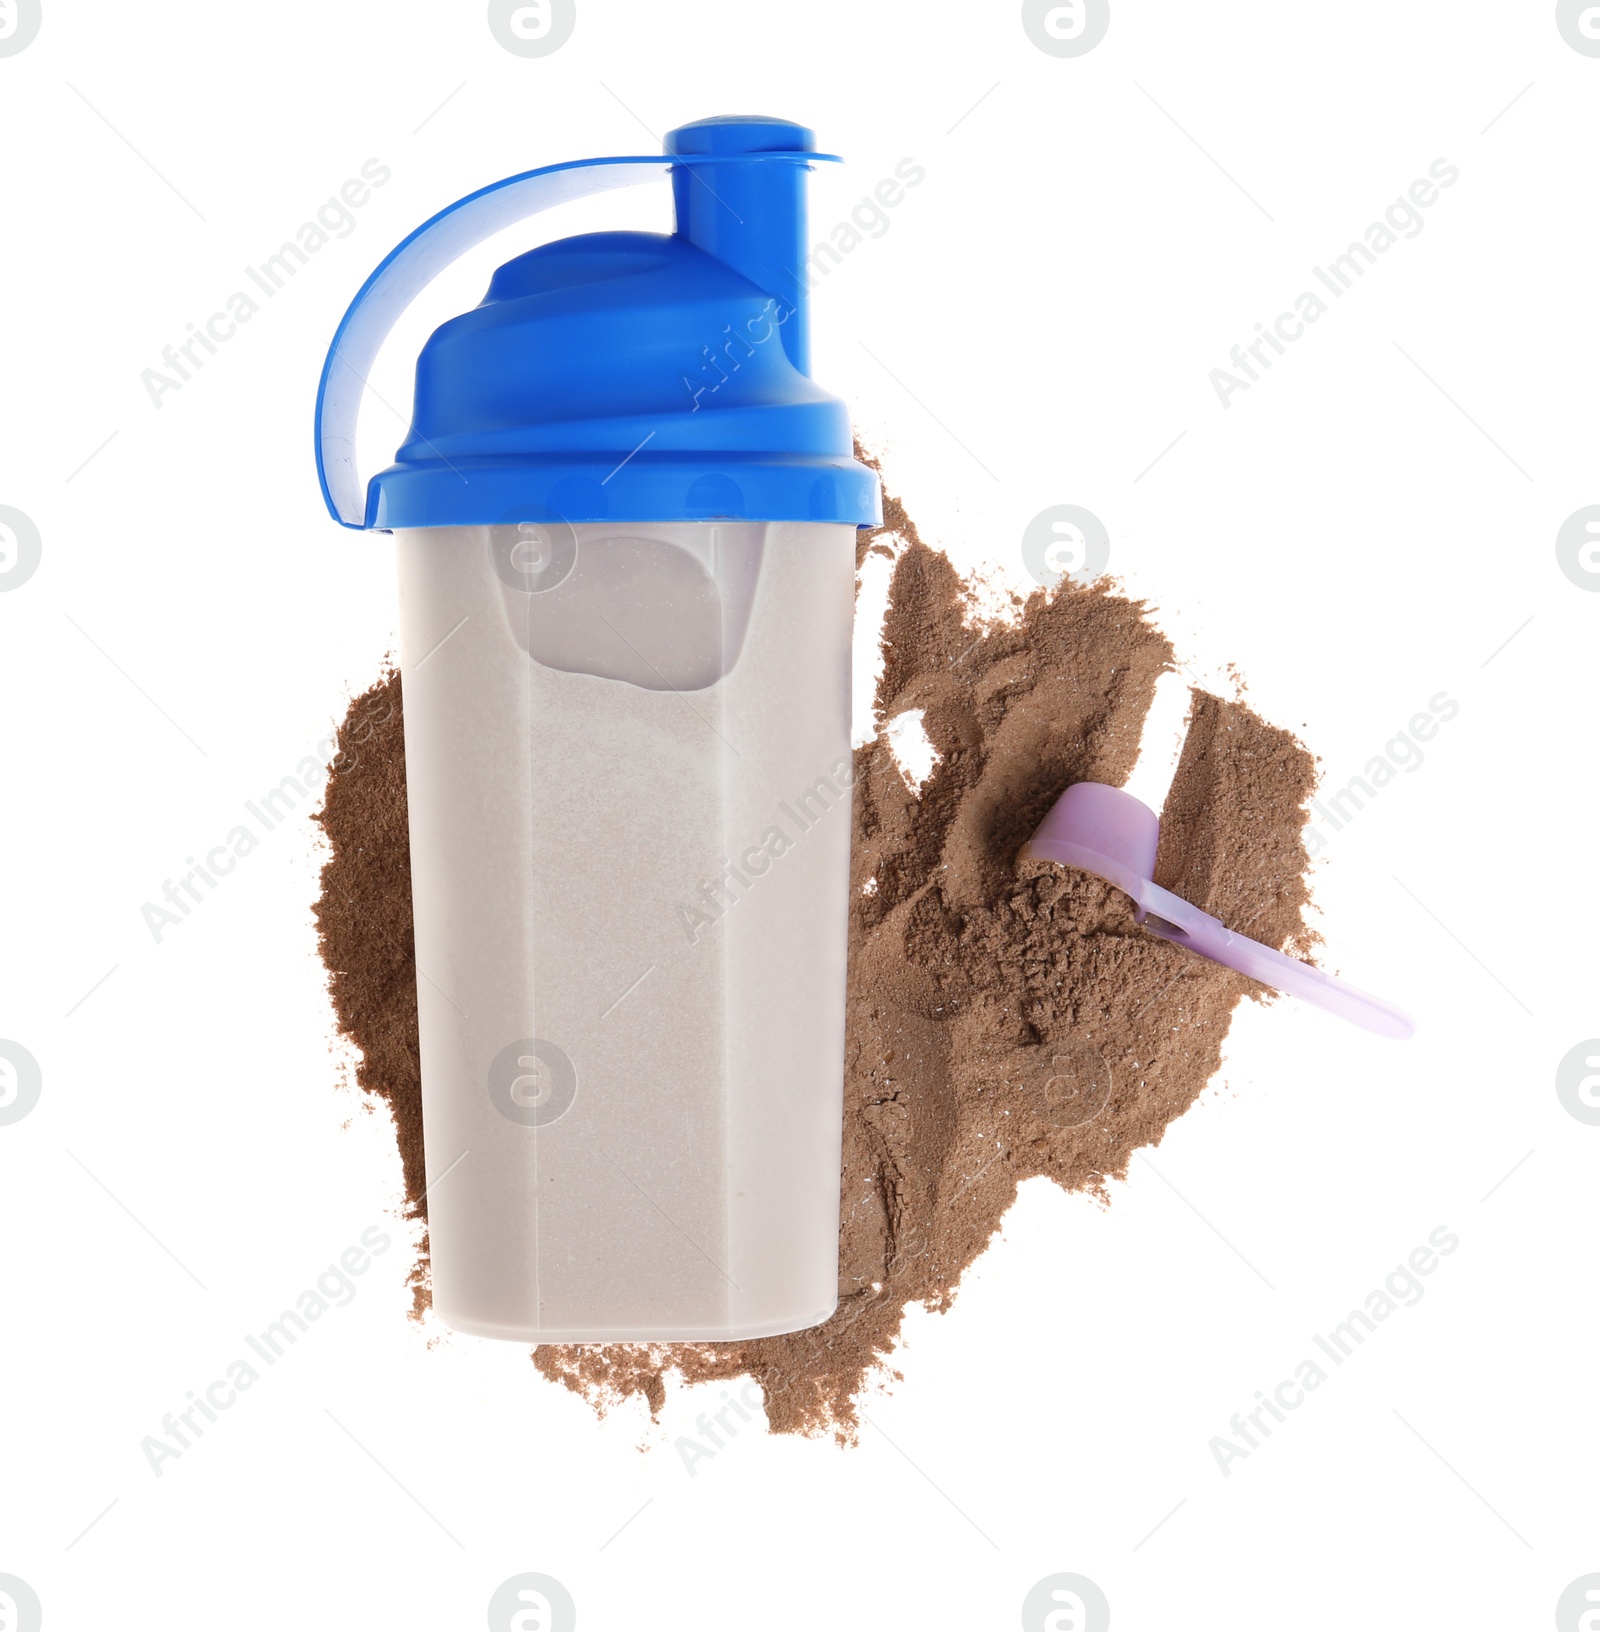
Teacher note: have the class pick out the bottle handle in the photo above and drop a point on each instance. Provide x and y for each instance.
(406, 271)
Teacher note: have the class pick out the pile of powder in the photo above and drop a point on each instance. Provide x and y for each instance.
(364, 928)
(1006, 1020)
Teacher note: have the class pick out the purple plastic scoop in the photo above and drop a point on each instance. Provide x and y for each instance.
(1109, 833)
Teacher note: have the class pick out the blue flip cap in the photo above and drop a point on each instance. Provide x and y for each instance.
(614, 376)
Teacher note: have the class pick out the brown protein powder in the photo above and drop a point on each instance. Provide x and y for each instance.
(1006, 1020)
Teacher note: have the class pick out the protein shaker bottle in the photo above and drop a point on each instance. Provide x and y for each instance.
(625, 519)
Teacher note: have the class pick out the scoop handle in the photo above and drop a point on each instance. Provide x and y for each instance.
(1175, 920)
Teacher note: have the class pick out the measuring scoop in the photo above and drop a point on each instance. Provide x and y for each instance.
(1107, 832)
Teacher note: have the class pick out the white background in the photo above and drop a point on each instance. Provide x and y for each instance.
(1370, 524)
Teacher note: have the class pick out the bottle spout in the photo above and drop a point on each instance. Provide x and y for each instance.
(752, 217)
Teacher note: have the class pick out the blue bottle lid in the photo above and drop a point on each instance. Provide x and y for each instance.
(614, 376)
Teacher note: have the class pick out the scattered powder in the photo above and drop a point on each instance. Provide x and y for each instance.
(1006, 1020)
(364, 927)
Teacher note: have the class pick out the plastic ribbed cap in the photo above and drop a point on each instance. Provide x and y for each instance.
(616, 376)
